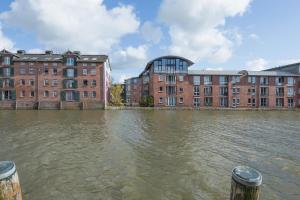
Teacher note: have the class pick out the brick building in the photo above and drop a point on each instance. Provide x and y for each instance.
(53, 81)
(170, 82)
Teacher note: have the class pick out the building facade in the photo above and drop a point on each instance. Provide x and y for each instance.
(170, 82)
(54, 81)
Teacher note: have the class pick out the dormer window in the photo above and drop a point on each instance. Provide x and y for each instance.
(70, 61)
(6, 60)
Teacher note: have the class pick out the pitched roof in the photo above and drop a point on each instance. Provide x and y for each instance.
(238, 73)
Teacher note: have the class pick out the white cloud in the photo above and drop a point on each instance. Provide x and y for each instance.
(37, 51)
(85, 25)
(195, 27)
(254, 36)
(5, 42)
(151, 33)
(130, 57)
(258, 64)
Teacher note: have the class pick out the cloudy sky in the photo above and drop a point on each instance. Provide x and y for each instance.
(215, 34)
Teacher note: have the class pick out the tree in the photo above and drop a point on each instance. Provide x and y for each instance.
(147, 101)
(116, 95)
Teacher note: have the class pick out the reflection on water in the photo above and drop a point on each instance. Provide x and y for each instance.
(150, 155)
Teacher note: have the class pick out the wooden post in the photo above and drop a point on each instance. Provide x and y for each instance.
(10, 188)
(245, 183)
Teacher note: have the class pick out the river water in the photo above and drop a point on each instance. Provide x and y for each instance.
(150, 155)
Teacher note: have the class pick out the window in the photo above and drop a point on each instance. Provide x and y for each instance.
(54, 82)
(291, 91)
(181, 77)
(46, 93)
(161, 77)
(264, 80)
(208, 101)
(161, 100)
(93, 64)
(171, 79)
(235, 102)
(46, 82)
(235, 79)
(279, 80)
(94, 94)
(291, 103)
(7, 72)
(252, 79)
(208, 91)
(196, 102)
(207, 80)
(70, 84)
(31, 94)
(84, 71)
(70, 61)
(181, 100)
(54, 71)
(54, 64)
(280, 91)
(94, 83)
(223, 80)
(263, 91)
(251, 102)
(93, 71)
(22, 93)
(54, 94)
(31, 70)
(251, 91)
(46, 71)
(223, 102)
(196, 91)
(235, 90)
(291, 81)
(85, 83)
(171, 101)
(22, 82)
(22, 70)
(160, 89)
(70, 73)
(224, 91)
(196, 80)
(6, 60)
(85, 94)
(31, 82)
(84, 64)
(263, 102)
(181, 90)
(279, 102)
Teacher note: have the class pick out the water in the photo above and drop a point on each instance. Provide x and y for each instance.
(150, 155)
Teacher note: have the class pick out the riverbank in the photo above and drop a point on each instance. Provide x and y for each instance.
(199, 109)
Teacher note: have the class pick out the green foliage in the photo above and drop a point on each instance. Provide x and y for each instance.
(147, 101)
(116, 95)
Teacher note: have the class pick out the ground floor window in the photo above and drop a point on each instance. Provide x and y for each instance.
(32, 94)
(69, 96)
(86, 94)
(7, 95)
(290, 103)
(235, 102)
(171, 101)
(181, 100)
(208, 101)
(196, 102)
(251, 102)
(223, 102)
(161, 100)
(263, 102)
(279, 102)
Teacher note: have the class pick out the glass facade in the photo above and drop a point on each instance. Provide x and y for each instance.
(170, 65)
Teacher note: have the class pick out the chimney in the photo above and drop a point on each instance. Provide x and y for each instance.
(48, 52)
(21, 52)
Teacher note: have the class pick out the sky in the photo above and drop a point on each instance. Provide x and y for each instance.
(214, 34)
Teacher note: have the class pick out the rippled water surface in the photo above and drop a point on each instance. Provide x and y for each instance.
(150, 155)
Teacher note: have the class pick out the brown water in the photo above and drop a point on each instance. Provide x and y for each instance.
(150, 155)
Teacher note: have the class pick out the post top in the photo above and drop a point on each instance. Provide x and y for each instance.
(247, 176)
(7, 168)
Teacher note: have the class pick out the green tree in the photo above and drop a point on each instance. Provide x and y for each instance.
(116, 92)
(147, 101)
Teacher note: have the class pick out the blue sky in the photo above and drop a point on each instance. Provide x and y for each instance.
(243, 34)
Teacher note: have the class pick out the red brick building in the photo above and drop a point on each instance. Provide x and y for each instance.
(170, 82)
(53, 81)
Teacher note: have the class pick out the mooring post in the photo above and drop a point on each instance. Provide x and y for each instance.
(245, 183)
(10, 188)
